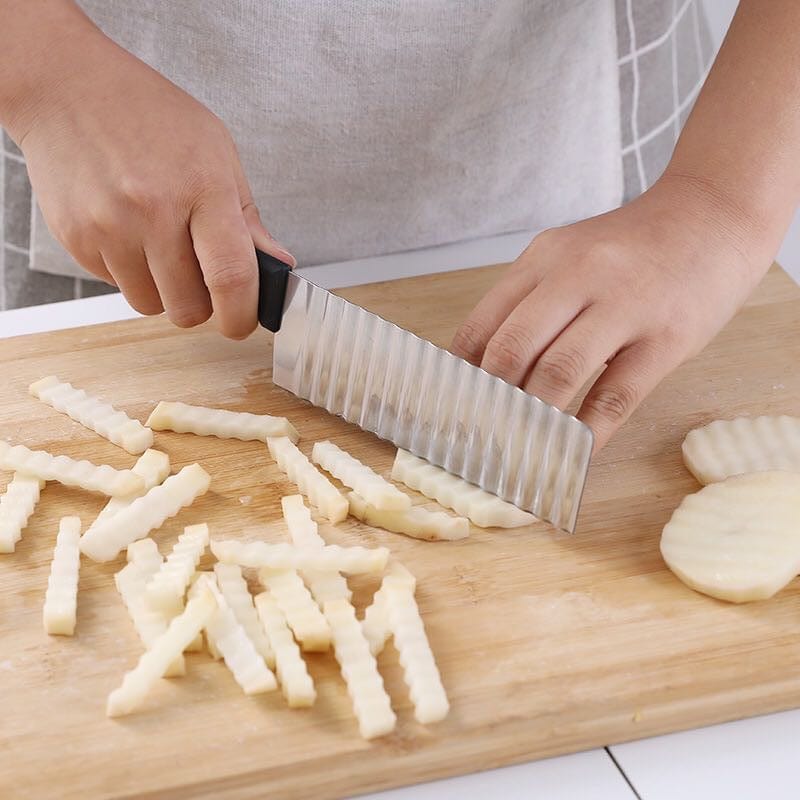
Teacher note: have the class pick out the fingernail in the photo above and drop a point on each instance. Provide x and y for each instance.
(285, 253)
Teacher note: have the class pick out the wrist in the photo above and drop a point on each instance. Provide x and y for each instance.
(723, 213)
(41, 51)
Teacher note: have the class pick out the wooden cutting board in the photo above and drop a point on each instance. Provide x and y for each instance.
(547, 643)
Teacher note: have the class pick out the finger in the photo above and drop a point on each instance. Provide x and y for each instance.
(80, 241)
(224, 248)
(94, 264)
(520, 279)
(129, 270)
(584, 346)
(630, 377)
(529, 330)
(177, 276)
(263, 239)
(261, 236)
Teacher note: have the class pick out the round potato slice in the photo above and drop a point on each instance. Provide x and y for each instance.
(738, 540)
(745, 444)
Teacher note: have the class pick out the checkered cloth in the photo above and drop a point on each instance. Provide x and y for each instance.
(664, 53)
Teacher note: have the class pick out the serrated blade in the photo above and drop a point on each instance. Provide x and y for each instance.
(423, 399)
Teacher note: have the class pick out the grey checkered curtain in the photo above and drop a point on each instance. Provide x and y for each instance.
(665, 52)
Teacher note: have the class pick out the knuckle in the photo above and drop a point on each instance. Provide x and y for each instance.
(544, 245)
(563, 369)
(671, 335)
(507, 352)
(228, 276)
(102, 222)
(195, 186)
(614, 403)
(546, 240)
(660, 343)
(139, 193)
(469, 340)
(604, 251)
(251, 212)
(85, 228)
(71, 232)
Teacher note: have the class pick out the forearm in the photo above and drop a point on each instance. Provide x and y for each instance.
(40, 46)
(740, 147)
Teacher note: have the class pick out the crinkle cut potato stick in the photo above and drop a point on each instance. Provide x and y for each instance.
(331, 557)
(746, 444)
(145, 554)
(302, 528)
(298, 605)
(165, 649)
(202, 421)
(375, 625)
(326, 585)
(104, 541)
(309, 480)
(416, 657)
(100, 417)
(144, 561)
(230, 639)
(738, 540)
(17, 504)
(416, 522)
(83, 474)
(153, 468)
(61, 598)
(371, 703)
(234, 589)
(165, 590)
(482, 508)
(304, 532)
(377, 491)
(295, 682)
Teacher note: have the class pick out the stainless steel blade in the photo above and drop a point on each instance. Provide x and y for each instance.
(423, 399)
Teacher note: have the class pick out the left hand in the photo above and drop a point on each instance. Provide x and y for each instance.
(634, 292)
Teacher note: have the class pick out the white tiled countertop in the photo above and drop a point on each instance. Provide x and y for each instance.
(749, 759)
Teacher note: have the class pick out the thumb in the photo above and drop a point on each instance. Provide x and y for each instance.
(261, 236)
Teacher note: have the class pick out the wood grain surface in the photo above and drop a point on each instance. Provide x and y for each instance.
(547, 643)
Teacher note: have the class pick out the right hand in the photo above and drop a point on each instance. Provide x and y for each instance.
(142, 184)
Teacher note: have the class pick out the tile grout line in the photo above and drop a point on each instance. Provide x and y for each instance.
(701, 66)
(676, 123)
(622, 772)
(659, 40)
(637, 145)
(15, 248)
(662, 126)
(13, 156)
(690, 96)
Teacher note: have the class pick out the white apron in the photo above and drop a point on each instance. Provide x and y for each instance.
(376, 127)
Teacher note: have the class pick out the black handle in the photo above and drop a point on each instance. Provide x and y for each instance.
(272, 277)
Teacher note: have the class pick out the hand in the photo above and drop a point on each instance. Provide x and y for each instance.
(634, 293)
(143, 186)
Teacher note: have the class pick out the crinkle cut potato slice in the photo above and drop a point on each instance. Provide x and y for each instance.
(745, 444)
(738, 540)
